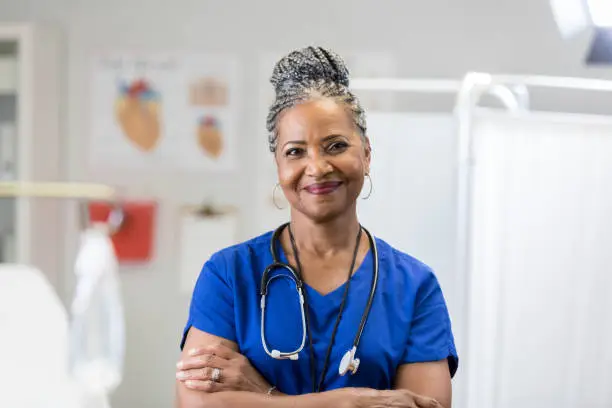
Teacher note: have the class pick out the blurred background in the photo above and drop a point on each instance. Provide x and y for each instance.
(510, 202)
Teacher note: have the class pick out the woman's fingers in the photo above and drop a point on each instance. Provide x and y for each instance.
(209, 356)
(426, 402)
(206, 386)
(206, 360)
(200, 374)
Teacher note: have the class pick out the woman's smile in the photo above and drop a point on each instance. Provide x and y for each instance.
(323, 188)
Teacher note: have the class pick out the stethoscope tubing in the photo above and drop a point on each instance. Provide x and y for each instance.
(368, 307)
(293, 276)
(282, 355)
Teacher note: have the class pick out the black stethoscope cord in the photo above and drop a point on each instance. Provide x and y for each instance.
(313, 374)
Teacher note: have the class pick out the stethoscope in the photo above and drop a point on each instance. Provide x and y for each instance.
(349, 361)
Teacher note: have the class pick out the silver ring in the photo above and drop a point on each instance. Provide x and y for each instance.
(216, 374)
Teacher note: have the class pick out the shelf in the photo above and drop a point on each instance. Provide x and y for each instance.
(8, 75)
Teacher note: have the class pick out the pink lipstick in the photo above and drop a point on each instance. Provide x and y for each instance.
(323, 188)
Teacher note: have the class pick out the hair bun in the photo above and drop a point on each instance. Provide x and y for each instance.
(308, 65)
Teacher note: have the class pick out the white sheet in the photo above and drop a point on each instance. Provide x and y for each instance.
(33, 342)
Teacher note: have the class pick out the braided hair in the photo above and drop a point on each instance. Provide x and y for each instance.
(306, 74)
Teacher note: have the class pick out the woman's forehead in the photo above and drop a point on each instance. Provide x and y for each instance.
(318, 115)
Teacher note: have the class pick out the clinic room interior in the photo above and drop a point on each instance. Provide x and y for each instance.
(342, 203)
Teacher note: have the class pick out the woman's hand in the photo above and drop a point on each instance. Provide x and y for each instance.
(236, 372)
(367, 398)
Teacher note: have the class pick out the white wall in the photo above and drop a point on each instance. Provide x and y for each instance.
(434, 39)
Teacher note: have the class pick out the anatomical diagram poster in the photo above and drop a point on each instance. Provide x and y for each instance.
(163, 112)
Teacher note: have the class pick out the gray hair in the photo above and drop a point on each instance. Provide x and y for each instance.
(312, 72)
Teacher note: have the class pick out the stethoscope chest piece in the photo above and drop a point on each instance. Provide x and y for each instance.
(349, 362)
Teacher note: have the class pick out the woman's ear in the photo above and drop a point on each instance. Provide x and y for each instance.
(368, 154)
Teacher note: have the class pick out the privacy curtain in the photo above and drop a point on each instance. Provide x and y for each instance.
(539, 318)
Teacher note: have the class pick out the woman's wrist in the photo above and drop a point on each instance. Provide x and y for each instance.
(339, 398)
(362, 397)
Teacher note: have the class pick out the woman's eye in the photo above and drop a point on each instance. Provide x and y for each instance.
(337, 146)
(293, 152)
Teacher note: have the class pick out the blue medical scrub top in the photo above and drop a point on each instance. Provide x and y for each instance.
(408, 322)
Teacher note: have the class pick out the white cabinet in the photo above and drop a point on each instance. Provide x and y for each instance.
(30, 144)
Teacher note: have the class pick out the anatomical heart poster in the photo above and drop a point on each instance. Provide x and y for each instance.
(163, 112)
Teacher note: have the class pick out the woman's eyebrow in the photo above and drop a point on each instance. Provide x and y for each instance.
(298, 142)
(333, 136)
(303, 142)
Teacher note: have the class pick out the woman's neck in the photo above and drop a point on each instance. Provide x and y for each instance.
(325, 239)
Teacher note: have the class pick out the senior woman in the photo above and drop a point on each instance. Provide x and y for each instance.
(349, 320)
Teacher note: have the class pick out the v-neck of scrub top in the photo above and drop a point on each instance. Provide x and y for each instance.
(357, 278)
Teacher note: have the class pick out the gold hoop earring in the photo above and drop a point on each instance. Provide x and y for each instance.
(276, 186)
(370, 190)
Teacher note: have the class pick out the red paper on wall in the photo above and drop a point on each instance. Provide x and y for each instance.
(134, 241)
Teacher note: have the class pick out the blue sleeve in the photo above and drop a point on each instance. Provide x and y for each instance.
(212, 303)
(431, 337)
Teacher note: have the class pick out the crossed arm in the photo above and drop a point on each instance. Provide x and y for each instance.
(417, 386)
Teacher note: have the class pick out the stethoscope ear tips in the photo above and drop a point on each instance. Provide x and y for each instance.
(275, 354)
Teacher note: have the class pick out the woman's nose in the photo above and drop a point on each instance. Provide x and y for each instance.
(318, 166)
